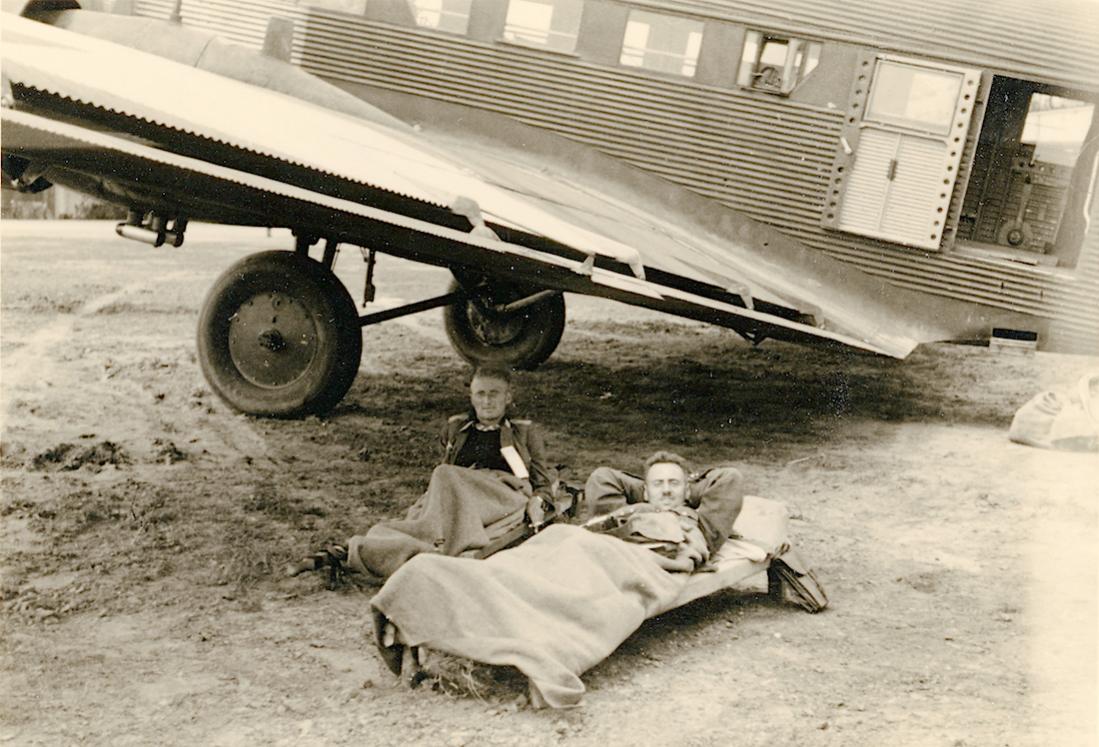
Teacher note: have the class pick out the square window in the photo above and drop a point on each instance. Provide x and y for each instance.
(914, 97)
(664, 44)
(776, 64)
(552, 24)
(451, 16)
(1057, 127)
(354, 7)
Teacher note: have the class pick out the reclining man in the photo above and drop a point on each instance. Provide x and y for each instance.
(562, 601)
(716, 495)
(494, 475)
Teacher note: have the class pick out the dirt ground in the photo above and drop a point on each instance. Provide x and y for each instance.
(145, 526)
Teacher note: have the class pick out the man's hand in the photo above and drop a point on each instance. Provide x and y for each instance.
(536, 510)
(679, 564)
(522, 484)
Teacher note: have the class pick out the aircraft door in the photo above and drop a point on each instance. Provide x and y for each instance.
(900, 149)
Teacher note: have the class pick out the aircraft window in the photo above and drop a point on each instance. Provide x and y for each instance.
(553, 24)
(355, 7)
(776, 64)
(662, 43)
(451, 16)
(1056, 128)
(910, 96)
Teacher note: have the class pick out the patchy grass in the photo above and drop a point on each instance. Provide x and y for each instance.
(160, 563)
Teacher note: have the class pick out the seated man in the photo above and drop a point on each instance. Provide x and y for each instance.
(494, 474)
(716, 494)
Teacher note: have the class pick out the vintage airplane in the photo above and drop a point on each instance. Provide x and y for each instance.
(178, 125)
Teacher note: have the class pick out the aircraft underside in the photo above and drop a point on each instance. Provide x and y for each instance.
(278, 334)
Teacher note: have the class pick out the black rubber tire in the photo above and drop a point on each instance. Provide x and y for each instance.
(266, 374)
(537, 331)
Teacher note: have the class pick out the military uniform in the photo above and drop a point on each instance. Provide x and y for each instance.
(521, 434)
(473, 497)
(717, 494)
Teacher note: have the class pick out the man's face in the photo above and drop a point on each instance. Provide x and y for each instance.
(490, 397)
(666, 485)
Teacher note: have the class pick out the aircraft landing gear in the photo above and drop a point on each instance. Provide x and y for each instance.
(279, 336)
(504, 326)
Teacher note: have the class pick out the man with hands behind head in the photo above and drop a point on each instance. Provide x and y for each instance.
(716, 495)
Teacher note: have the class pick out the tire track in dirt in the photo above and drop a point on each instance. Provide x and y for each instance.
(36, 367)
(33, 359)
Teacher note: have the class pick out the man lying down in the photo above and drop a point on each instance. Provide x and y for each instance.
(564, 600)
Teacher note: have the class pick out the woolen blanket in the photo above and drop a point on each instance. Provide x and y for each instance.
(553, 607)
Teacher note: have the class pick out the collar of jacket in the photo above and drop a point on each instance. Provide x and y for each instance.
(507, 437)
(471, 422)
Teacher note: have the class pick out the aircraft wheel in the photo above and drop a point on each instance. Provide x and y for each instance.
(523, 339)
(279, 336)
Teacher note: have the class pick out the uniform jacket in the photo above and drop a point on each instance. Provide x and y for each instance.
(522, 434)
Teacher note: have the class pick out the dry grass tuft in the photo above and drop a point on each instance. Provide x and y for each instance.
(464, 678)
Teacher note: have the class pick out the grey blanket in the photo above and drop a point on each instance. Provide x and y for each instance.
(553, 607)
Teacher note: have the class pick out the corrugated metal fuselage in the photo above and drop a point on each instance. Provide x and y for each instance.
(771, 157)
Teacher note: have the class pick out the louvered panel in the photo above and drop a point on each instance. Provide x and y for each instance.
(757, 162)
(955, 282)
(489, 70)
(735, 182)
(1007, 304)
(1059, 43)
(925, 17)
(756, 180)
(643, 153)
(651, 135)
(950, 268)
(537, 112)
(353, 34)
(958, 270)
(242, 22)
(963, 287)
(159, 9)
(726, 186)
(523, 100)
(1084, 335)
(1089, 253)
(762, 155)
(1084, 340)
(863, 201)
(646, 139)
(911, 197)
(764, 201)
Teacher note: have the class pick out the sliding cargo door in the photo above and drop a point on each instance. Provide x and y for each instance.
(898, 158)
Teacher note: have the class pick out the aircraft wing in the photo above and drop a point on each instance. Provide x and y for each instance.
(131, 125)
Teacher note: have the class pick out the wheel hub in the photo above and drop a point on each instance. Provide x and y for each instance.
(494, 328)
(272, 339)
